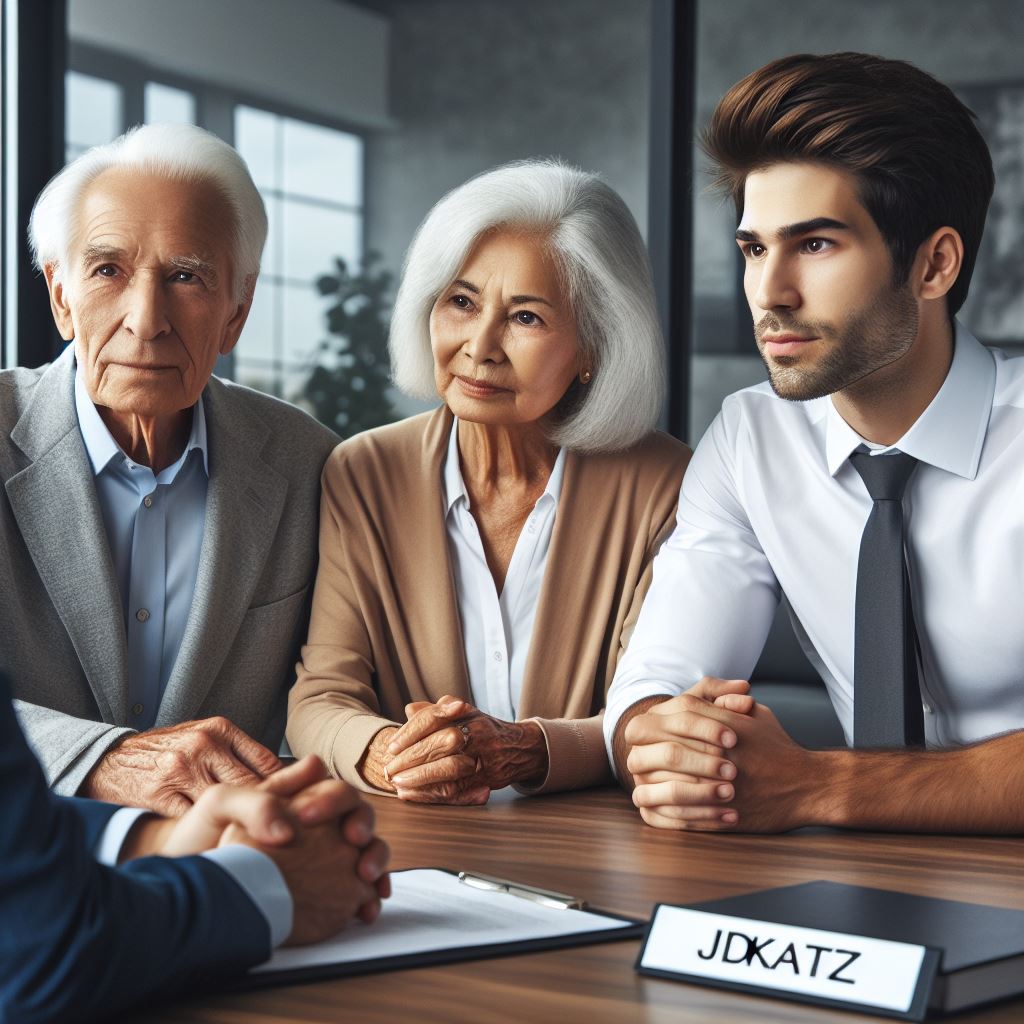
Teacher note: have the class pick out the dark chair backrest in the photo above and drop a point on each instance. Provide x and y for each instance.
(787, 682)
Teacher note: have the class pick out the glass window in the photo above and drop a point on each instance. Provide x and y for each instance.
(311, 179)
(314, 236)
(322, 163)
(272, 265)
(94, 112)
(257, 139)
(257, 342)
(166, 104)
(304, 328)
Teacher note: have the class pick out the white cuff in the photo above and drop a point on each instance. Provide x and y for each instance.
(108, 849)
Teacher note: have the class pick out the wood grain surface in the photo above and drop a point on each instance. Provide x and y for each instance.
(595, 845)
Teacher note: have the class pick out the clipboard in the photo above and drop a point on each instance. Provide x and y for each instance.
(430, 909)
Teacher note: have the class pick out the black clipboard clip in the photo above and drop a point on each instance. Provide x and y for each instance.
(545, 897)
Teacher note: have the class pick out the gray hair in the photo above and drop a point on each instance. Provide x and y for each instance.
(177, 151)
(603, 263)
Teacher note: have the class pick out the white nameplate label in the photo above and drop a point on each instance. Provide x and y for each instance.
(766, 955)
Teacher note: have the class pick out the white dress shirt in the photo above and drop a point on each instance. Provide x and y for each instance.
(154, 526)
(496, 628)
(770, 503)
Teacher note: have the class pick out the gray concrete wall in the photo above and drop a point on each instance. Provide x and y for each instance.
(478, 84)
(324, 56)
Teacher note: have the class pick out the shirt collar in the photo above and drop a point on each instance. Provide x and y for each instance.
(950, 433)
(455, 486)
(100, 445)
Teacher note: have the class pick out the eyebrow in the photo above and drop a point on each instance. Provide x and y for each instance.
(191, 264)
(514, 300)
(93, 253)
(790, 231)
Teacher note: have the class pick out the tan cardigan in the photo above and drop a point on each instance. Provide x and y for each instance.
(385, 630)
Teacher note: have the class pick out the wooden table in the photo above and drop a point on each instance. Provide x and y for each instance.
(595, 845)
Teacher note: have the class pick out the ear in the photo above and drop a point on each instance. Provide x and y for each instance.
(937, 266)
(233, 328)
(59, 302)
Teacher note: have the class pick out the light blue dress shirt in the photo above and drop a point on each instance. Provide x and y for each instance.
(154, 525)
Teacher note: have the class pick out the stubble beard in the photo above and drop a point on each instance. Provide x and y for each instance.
(878, 334)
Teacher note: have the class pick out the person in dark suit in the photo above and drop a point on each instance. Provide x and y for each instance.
(81, 938)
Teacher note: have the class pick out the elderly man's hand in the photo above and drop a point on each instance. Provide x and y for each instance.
(450, 752)
(166, 770)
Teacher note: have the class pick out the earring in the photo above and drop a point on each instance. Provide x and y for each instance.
(585, 377)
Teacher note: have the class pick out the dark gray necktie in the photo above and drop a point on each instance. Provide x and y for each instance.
(886, 693)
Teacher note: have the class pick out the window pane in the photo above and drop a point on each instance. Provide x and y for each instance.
(304, 325)
(314, 237)
(271, 263)
(256, 137)
(164, 104)
(322, 162)
(257, 340)
(93, 110)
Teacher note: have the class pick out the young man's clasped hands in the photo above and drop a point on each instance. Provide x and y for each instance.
(714, 759)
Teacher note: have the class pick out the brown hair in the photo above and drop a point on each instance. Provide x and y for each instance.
(913, 146)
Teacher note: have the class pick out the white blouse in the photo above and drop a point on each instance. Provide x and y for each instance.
(496, 628)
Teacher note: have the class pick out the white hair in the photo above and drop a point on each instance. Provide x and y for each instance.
(603, 263)
(181, 152)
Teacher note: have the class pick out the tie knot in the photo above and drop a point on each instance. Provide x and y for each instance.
(885, 476)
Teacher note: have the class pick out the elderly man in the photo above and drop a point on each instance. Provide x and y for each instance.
(158, 525)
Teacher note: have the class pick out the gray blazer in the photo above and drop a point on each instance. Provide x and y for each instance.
(62, 631)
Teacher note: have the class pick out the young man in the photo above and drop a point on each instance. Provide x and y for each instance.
(877, 482)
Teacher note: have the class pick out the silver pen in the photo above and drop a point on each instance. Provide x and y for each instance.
(544, 897)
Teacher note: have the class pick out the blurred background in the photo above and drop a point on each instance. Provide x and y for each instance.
(355, 117)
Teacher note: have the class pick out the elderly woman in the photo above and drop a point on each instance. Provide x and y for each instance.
(482, 566)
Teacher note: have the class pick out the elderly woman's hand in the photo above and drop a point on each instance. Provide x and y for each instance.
(452, 753)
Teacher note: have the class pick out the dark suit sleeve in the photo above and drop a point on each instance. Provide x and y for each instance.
(77, 939)
(94, 816)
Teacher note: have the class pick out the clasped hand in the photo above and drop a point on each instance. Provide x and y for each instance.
(452, 753)
(318, 832)
(712, 759)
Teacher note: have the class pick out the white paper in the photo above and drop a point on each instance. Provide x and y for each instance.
(804, 960)
(432, 910)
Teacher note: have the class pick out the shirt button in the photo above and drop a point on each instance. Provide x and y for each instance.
(142, 615)
(497, 655)
(137, 709)
(148, 501)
